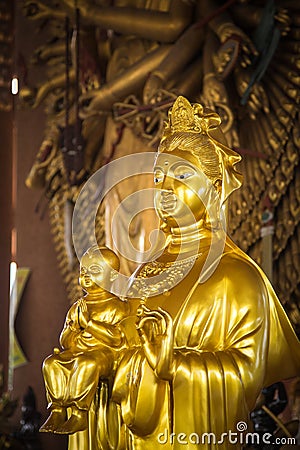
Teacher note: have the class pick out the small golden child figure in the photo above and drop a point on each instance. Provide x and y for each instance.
(91, 341)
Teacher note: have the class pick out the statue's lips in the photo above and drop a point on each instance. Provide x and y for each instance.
(168, 202)
(87, 281)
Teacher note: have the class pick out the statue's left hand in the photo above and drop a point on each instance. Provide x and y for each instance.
(152, 86)
(155, 329)
(247, 48)
(96, 101)
(83, 316)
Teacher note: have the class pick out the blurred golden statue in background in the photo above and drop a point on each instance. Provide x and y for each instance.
(210, 331)
(239, 58)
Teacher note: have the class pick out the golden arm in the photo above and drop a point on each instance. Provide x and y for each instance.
(154, 25)
(187, 47)
(71, 328)
(105, 332)
(122, 85)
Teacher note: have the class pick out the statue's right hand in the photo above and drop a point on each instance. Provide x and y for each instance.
(152, 86)
(155, 329)
(96, 101)
(82, 313)
(82, 305)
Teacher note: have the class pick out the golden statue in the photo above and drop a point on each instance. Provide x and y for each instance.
(209, 340)
(91, 340)
(211, 332)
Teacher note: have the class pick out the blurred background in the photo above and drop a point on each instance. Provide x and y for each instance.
(84, 83)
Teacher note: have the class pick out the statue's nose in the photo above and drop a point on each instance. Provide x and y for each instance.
(166, 193)
(168, 183)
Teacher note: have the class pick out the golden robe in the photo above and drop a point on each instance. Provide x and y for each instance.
(72, 375)
(94, 353)
(232, 338)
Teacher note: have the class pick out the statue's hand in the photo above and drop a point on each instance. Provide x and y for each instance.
(96, 101)
(214, 91)
(247, 49)
(82, 314)
(258, 99)
(155, 329)
(152, 87)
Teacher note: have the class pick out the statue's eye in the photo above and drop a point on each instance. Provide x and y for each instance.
(183, 172)
(183, 176)
(95, 269)
(158, 176)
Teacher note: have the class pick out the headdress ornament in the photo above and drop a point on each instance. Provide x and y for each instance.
(190, 118)
(187, 118)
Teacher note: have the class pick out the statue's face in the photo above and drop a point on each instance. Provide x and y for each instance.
(182, 188)
(93, 272)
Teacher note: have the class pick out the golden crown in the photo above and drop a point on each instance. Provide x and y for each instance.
(190, 118)
(184, 117)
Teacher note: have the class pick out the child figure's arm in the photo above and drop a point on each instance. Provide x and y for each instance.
(82, 314)
(109, 332)
(105, 332)
(71, 328)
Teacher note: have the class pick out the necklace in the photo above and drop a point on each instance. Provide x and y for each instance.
(157, 277)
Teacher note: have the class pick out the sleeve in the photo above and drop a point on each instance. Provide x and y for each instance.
(220, 367)
(221, 341)
(109, 331)
(140, 393)
(110, 335)
(71, 328)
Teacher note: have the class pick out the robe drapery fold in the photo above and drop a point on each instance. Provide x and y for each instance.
(232, 338)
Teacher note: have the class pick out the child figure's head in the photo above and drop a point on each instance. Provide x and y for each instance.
(98, 268)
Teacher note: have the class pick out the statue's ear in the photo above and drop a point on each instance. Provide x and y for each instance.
(113, 275)
(218, 186)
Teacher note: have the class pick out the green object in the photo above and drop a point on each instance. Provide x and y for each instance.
(266, 39)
